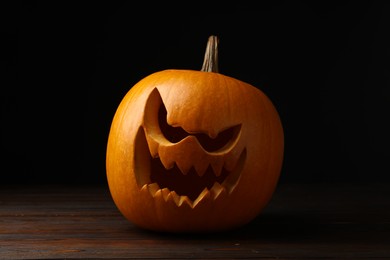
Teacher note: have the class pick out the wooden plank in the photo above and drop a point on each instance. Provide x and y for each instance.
(312, 221)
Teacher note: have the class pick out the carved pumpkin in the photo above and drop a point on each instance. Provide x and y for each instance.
(193, 151)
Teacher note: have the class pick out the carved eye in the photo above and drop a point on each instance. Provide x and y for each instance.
(176, 134)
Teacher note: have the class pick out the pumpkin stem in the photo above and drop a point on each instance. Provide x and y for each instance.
(210, 62)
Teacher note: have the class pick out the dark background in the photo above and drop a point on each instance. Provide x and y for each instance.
(66, 66)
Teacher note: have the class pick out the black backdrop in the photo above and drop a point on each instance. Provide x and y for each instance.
(66, 66)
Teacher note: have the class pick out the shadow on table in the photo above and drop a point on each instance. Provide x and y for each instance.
(294, 228)
(336, 213)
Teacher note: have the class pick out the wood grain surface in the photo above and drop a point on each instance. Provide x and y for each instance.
(302, 221)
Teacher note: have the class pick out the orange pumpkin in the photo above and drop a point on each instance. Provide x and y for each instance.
(194, 151)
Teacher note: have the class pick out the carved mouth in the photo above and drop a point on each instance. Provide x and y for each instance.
(170, 180)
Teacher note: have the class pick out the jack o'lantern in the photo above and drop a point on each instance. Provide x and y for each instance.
(194, 151)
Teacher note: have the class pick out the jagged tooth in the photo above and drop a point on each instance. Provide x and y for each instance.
(203, 196)
(213, 133)
(184, 166)
(153, 188)
(153, 149)
(185, 201)
(144, 187)
(217, 167)
(217, 190)
(172, 196)
(201, 167)
(154, 153)
(158, 196)
(167, 162)
(165, 192)
(162, 194)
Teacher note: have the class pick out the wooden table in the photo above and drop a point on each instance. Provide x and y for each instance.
(303, 221)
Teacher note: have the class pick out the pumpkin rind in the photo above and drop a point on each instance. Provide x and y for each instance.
(198, 102)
